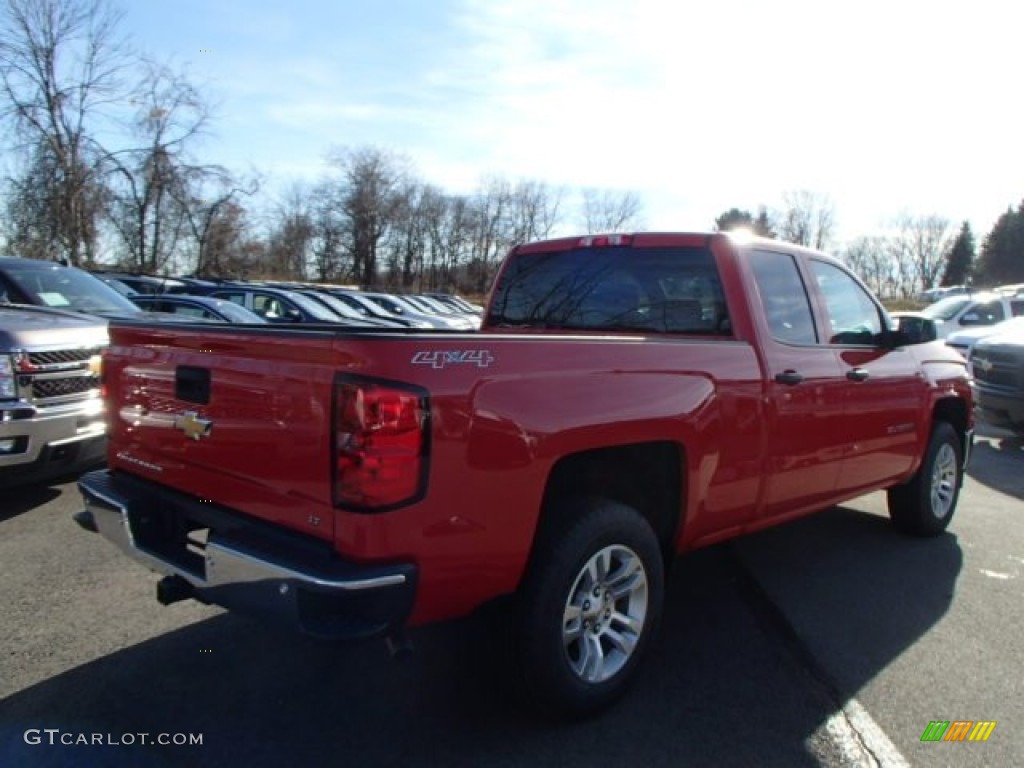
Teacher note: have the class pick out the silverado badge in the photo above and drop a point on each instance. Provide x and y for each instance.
(193, 426)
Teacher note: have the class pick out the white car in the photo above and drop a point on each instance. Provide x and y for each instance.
(973, 311)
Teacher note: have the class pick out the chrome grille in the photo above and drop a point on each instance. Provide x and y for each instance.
(998, 367)
(58, 356)
(45, 389)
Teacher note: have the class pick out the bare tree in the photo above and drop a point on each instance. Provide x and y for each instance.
(491, 235)
(371, 181)
(924, 242)
(408, 236)
(330, 257)
(871, 259)
(59, 66)
(212, 210)
(450, 224)
(290, 243)
(32, 222)
(611, 211)
(435, 209)
(807, 219)
(147, 211)
(533, 211)
(904, 269)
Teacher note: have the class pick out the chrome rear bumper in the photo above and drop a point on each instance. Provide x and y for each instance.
(220, 556)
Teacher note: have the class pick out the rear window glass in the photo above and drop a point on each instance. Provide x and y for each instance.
(663, 290)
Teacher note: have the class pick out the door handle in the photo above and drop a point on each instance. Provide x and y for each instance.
(789, 377)
(858, 374)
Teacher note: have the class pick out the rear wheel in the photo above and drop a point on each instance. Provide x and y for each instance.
(924, 506)
(587, 608)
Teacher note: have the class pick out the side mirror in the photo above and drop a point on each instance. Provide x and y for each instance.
(971, 318)
(914, 329)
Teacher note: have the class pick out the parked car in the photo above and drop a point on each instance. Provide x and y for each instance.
(201, 308)
(147, 284)
(49, 284)
(440, 309)
(398, 306)
(342, 309)
(278, 305)
(459, 302)
(358, 301)
(934, 294)
(976, 309)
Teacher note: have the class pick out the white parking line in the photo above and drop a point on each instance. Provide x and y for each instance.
(860, 740)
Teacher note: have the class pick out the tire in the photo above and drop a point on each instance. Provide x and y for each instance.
(924, 506)
(587, 608)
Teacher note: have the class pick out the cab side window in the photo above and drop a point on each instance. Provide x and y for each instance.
(784, 298)
(853, 316)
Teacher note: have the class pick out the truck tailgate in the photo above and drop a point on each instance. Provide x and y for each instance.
(238, 418)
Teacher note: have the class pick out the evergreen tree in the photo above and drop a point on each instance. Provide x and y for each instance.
(960, 260)
(1002, 253)
(735, 218)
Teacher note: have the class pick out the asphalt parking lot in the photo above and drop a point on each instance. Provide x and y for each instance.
(831, 641)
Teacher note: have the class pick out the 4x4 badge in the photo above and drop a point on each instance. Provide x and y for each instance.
(193, 426)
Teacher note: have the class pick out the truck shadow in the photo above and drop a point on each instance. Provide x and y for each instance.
(722, 686)
(996, 462)
(20, 499)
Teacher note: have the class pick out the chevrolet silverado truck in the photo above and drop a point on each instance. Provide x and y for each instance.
(997, 364)
(629, 398)
(51, 412)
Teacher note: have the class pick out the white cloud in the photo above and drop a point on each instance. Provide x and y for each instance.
(701, 107)
(883, 106)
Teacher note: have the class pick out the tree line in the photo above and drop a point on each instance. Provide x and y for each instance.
(101, 148)
(917, 252)
(103, 172)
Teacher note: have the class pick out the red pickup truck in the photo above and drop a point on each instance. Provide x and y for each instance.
(629, 397)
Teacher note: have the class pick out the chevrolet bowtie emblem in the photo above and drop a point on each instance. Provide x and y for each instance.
(193, 426)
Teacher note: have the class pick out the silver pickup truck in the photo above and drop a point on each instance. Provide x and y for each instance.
(51, 414)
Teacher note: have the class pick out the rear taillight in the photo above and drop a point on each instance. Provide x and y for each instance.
(380, 444)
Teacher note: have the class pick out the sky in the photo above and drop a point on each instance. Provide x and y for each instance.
(886, 108)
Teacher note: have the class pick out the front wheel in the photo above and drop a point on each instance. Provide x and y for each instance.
(924, 506)
(587, 609)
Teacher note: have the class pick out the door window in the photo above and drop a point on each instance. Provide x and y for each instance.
(784, 298)
(853, 316)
